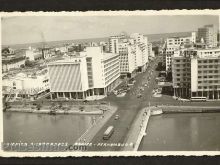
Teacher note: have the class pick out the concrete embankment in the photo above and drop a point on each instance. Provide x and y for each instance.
(137, 130)
(190, 109)
(86, 110)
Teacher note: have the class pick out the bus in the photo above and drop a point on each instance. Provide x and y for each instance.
(198, 99)
(108, 133)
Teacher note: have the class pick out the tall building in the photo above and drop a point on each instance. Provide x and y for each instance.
(133, 52)
(196, 73)
(114, 42)
(208, 34)
(172, 44)
(88, 75)
(127, 59)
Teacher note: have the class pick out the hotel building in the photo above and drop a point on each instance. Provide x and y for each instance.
(196, 73)
(87, 75)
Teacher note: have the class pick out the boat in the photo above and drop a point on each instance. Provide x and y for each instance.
(156, 112)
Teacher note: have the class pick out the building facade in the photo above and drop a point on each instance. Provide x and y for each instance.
(174, 43)
(12, 63)
(196, 73)
(33, 54)
(23, 85)
(90, 75)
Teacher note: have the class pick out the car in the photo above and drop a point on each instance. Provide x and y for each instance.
(139, 95)
(116, 117)
(103, 102)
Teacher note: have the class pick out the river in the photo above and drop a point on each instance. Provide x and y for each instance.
(183, 132)
(38, 128)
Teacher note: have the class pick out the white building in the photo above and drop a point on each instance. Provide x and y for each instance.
(127, 59)
(114, 43)
(196, 73)
(12, 63)
(26, 85)
(174, 43)
(150, 51)
(90, 75)
(140, 49)
(33, 54)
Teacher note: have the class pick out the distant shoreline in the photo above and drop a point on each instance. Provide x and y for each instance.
(151, 38)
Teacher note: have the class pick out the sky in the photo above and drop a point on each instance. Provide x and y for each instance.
(30, 29)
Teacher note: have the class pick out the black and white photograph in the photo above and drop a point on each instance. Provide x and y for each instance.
(110, 82)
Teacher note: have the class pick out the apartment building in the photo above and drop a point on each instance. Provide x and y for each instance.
(127, 59)
(133, 52)
(196, 73)
(173, 44)
(208, 34)
(88, 75)
(114, 42)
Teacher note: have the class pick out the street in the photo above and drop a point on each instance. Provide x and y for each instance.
(128, 108)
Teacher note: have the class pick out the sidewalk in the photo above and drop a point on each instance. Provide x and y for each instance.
(135, 133)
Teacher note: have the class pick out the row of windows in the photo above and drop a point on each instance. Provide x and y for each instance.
(185, 69)
(112, 78)
(208, 76)
(207, 61)
(184, 79)
(210, 71)
(207, 87)
(178, 65)
(183, 84)
(184, 60)
(107, 72)
(205, 66)
(210, 81)
(110, 66)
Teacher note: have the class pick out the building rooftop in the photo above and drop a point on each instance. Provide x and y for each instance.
(109, 55)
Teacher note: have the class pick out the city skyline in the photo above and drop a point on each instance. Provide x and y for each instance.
(55, 28)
